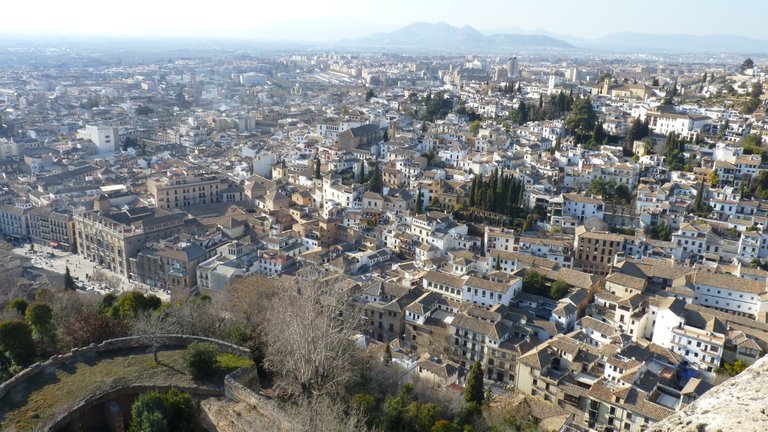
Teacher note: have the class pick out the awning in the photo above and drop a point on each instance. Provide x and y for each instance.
(54, 244)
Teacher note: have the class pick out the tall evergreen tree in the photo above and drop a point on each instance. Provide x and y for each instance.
(582, 118)
(376, 183)
(473, 191)
(419, 202)
(510, 198)
(69, 281)
(473, 392)
(317, 169)
(361, 173)
(699, 196)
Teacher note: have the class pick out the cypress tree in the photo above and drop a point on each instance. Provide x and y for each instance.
(376, 183)
(69, 281)
(473, 392)
(472, 192)
(419, 202)
(511, 197)
(699, 196)
(317, 169)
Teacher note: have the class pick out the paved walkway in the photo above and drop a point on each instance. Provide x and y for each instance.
(90, 277)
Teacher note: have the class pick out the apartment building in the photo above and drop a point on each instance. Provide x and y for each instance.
(595, 251)
(185, 191)
(110, 239)
(52, 227)
(14, 220)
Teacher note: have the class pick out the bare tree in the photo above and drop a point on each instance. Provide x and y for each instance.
(151, 325)
(309, 347)
(246, 299)
(324, 413)
(192, 316)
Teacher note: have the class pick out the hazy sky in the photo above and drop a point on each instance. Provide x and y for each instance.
(326, 20)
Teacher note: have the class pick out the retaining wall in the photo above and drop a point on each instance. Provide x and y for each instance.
(130, 342)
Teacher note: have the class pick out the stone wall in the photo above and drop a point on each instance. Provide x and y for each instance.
(245, 409)
(735, 405)
(78, 354)
(75, 411)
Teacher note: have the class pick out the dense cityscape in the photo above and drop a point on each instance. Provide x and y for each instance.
(395, 240)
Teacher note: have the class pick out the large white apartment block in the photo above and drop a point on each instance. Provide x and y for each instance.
(732, 294)
(487, 293)
(685, 125)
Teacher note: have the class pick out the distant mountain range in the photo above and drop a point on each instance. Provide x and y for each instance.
(442, 36)
(445, 37)
(679, 43)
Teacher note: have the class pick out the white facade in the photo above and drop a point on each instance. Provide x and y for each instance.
(106, 138)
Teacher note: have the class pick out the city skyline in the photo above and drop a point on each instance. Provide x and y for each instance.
(331, 21)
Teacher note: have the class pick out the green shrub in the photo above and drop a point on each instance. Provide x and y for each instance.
(169, 411)
(200, 360)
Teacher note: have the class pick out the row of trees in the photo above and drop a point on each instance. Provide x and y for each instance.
(498, 193)
(555, 107)
(37, 330)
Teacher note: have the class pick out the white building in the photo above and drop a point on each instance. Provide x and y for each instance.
(106, 138)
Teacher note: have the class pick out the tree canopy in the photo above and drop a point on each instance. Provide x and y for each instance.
(474, 391)
(581, 120)
(748, 63)
(16, 342)
(173, 410)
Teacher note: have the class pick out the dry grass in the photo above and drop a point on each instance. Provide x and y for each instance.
(41, 398)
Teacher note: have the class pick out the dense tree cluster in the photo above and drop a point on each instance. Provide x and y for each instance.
(610, 191)
(674, 147)
(660, 231)
(637, 131)
(751, 105)
(748, 63)
(144, 110)
(462, 110)
(581, 120)
(555, 107)
(758, 185)
(90, 103)
(536, 284)
(436, 106)
(498, 193)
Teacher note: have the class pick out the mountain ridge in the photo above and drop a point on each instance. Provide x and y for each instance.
(447, 37)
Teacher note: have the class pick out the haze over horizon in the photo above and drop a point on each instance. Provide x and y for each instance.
(328, 21)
